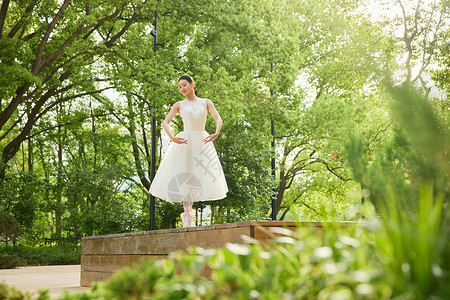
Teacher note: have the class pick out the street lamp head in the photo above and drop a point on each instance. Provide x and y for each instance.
(153, 33)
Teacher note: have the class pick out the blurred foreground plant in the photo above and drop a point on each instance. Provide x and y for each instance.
(407, 182)
(335, 264)
(414, 247)
(356, 262)
(417, 153)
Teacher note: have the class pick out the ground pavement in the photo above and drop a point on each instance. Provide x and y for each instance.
(56, 279)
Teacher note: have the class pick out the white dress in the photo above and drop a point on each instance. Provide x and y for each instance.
(192, 171)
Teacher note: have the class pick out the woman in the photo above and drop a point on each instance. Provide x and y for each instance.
(190, 170)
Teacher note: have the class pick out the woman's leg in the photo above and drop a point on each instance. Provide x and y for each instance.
(187, 216)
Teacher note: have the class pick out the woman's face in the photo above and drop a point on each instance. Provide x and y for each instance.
(185, 87)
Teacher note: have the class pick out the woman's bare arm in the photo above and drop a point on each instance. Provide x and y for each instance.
(173, 111)
(211, 108)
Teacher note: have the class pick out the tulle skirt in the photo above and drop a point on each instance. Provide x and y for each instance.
(190, 172)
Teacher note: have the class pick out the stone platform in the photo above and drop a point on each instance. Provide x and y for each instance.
(58, 280)
(101, 256)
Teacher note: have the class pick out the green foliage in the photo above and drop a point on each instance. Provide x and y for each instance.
(416, 245)
(297, 266)
(12, 257)
(10, 293)
(417, 153)
(75, 138)
(407, 182)
(19, 194)
(9, 227)
(352, 262)
(401, 256)
(343, 263)
(441, 74)
(9, 261)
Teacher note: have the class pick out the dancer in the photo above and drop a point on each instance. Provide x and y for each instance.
(190, 170)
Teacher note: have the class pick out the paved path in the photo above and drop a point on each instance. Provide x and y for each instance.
(56, 279)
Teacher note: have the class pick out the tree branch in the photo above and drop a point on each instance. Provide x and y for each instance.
(294, 170)
(8, 111)
(80, 30)
(291, 180)
(407, 42)
(146, 192)
(380, 131)
(62, 125)
(416, 21)
(27, 37)
(426, 61)
(332, 170)
(48, 108)
(16, 27)
(3, 11)
(12, 127)
(130, 21)
(145, 182)
(44, 41)
(309, 207)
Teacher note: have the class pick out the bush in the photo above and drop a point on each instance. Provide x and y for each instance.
(298, 265)
(9, 228)
(39, 256)
(340, 264)
(8, 261)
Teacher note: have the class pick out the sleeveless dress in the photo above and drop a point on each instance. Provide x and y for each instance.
(192, 171)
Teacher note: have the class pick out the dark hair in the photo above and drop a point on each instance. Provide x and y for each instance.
(186, 77)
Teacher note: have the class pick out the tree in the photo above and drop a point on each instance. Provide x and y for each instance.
(419, 41)
(416, 29)
(56, 58)
(335, 60)
(441, 74)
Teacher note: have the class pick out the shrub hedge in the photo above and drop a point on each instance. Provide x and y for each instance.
(12, 257)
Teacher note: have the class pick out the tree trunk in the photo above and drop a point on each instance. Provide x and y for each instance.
(201, 216)
(30, 155)
(59, 186)
(137, 158)
(23, 158)
(218, 214)
(94, 141)
(212, 215)
(280, 191)
(196, 217)
(75, 211)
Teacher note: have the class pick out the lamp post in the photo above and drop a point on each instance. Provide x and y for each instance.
(154, 33)
(274, 191)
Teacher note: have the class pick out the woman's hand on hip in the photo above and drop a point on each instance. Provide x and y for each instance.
(179, 140)
(210, 138)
